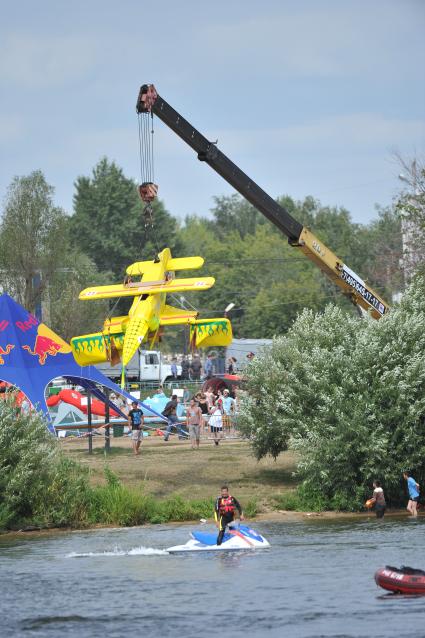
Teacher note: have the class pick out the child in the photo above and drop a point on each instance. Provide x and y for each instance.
(378, 499)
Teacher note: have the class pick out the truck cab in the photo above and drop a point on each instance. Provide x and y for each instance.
(146, 365)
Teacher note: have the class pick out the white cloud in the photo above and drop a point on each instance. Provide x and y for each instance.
(31, 60)
(362, 131)
(12, 128)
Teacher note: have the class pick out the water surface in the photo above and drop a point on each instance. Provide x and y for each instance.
(316, 580)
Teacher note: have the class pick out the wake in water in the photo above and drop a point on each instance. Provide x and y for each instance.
(136, 551)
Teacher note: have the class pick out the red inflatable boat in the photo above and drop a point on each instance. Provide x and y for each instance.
(403, 580)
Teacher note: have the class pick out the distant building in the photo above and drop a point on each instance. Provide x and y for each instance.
(412, 236)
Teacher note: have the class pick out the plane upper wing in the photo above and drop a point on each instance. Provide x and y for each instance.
(147, 288)
(175, 263)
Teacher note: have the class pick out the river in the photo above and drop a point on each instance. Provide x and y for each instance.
(316, 580)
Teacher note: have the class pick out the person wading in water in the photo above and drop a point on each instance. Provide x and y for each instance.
(224, 512)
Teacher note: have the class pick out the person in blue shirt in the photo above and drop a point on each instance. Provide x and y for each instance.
(413, 487)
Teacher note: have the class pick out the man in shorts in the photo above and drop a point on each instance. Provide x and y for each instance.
(135, 421)
(193, 421)
(413, 487)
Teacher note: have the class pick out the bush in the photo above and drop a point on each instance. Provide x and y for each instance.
(37, 485)
(349, 395)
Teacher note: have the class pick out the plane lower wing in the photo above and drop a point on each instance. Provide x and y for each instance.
(174, 316)
(205, 333)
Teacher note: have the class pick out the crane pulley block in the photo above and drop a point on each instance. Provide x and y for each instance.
(148, 192)
(146, 99)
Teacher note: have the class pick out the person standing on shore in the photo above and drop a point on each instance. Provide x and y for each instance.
(216, 423)
(193, 421)
(224, 512)
(413, 487)
(378, 499)
(136, 421)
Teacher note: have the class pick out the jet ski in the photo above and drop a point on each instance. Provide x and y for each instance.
(236, 538)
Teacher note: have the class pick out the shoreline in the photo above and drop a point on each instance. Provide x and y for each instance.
(288, 516)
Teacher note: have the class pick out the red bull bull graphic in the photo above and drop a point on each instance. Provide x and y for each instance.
(5, 352)
(47, 343)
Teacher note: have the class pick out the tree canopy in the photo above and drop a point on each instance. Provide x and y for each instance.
(269, 281)
(349, 396)
(32, 238)
(108, 223)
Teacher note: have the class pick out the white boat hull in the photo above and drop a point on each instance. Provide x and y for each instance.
(237, 539)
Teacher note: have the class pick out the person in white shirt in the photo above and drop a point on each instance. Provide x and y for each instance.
(216, 423)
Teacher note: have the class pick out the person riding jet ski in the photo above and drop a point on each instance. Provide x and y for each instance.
(224, 512)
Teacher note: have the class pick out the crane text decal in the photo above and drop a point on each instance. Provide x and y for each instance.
(359, 286)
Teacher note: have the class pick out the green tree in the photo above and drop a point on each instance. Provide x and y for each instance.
(348, 395)
(33, 238)
(108, 223)
(232, 213)
(64, 312)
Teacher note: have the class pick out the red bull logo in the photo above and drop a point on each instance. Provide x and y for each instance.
(47, 343)
(4, 352)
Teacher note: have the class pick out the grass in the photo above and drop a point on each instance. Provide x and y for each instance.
(170, 481)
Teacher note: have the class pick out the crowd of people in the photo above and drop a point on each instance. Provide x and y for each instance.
(206, 413)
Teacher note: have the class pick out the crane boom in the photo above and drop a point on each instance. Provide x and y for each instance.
(299, 236)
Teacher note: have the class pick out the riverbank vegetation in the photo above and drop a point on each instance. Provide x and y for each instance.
(349, 397)
(43, 485)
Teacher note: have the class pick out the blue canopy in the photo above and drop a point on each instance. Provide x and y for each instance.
(32, 355)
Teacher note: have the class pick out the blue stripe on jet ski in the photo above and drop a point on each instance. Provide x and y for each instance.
(208, 539)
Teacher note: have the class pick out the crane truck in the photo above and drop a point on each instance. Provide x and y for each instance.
(299, 236)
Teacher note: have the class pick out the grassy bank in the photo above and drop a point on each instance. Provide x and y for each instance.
(169, 481)
(47, 482)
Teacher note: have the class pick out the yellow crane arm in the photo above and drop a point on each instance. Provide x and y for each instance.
(352, 285)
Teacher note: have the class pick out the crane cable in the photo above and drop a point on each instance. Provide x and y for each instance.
(148, 188)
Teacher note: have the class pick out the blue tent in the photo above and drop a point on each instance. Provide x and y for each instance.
(32, 355)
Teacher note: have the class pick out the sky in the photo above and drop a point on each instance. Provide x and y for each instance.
(309, 97)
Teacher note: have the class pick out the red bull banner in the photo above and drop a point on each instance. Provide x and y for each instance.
(32, 355)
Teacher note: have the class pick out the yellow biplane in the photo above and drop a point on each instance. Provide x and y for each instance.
(121, 336)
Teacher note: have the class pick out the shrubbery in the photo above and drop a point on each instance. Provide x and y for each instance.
(41, 487)
(37, 485)
(349, 395)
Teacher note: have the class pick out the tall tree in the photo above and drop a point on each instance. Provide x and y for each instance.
(33, 238)
(108, 223)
